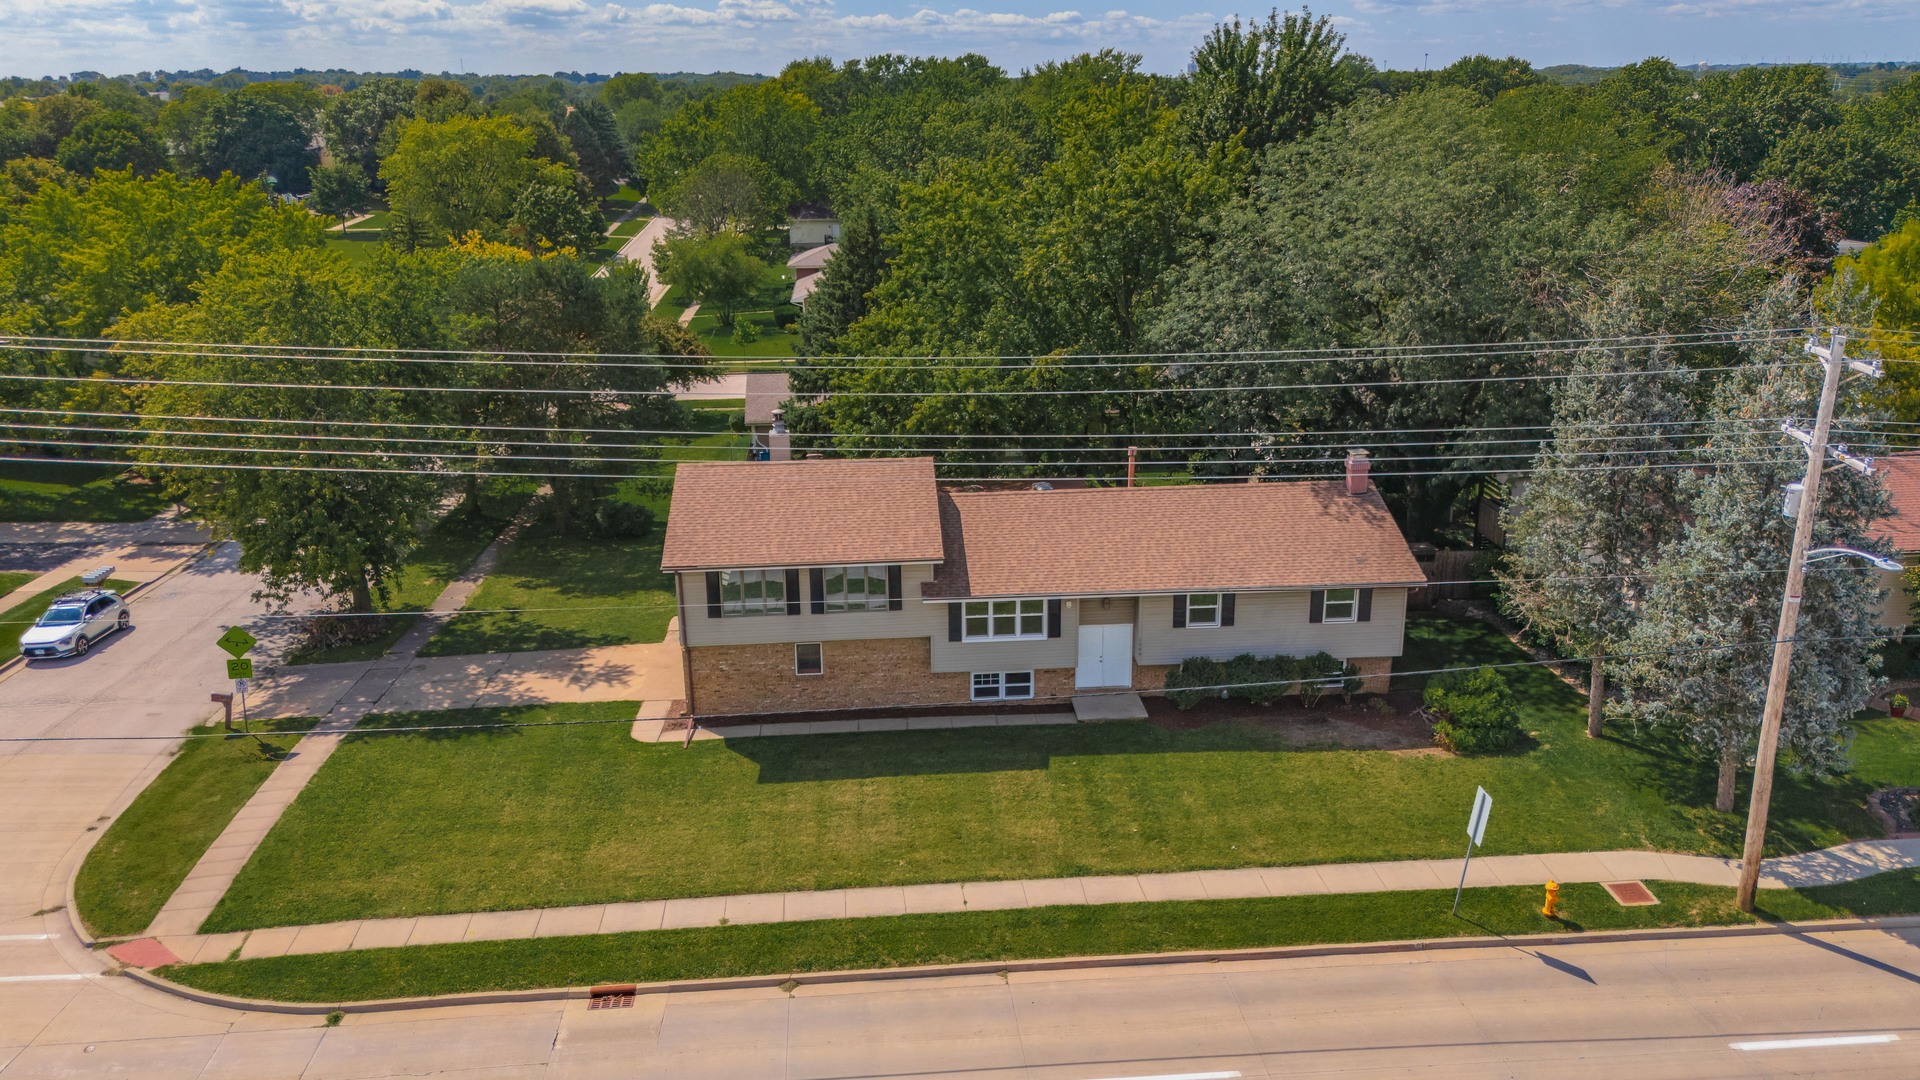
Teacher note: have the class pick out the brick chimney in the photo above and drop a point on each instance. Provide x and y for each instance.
(1358, 483)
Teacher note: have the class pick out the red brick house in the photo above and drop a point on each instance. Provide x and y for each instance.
(835, 584)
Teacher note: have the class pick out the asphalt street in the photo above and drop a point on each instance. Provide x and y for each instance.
(1844, 1004)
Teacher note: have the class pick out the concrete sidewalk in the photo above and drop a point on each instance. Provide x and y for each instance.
(170, 527)
(135, 564)
(1847, 862)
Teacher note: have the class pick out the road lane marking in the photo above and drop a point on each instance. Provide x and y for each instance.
(67, 977)
(1805, 1044)
(1182, 1076)
(28, 937)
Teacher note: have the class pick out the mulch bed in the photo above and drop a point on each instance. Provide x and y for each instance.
(1897, 810)
(999, 708)
(1371, 721)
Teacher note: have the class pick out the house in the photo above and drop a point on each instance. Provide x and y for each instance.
(864, 584)
(810, 225)
(766, 399)
(806, 266)
(1901, 475)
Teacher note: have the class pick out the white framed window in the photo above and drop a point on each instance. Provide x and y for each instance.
(807, 659)
(854, 588)
(1003, 620)
(1203, 609)
(1002, 685)
(1342, 605)
(753, 592)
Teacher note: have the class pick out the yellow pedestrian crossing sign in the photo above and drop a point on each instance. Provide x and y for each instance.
(237, 641)
(240, 668)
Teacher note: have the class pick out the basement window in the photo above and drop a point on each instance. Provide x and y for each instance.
(807, 659)
(1002, 685)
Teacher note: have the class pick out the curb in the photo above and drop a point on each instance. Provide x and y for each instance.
(991, 967)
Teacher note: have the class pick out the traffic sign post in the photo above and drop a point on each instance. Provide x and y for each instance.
(1476, 829)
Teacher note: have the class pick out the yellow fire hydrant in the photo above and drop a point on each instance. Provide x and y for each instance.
(1552, 907)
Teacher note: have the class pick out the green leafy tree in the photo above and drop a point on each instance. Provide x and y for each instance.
(726, 191)
(435, 100)
(840, 298)
(1268, 82)
(460, 175)
(1486, 76)
(596, 142)
(552, 213)
(252, 136)
(355, 124)
(1888, 273)
(340, 191)
(718, 271)
(112, 140)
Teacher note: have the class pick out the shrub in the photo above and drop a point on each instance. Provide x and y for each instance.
(1194, 671)
(617, 519)
(1260, 680)
(785, 316)
(1473, 712)
(745, 332)
(1320, 674)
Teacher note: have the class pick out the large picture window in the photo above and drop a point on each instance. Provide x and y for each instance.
(1004, 620)
(854, 588)
(1002, 685)
(1343, 605)
(753, 592)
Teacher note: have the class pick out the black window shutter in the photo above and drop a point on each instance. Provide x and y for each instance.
(1366, 605)
(953, 622)
(893, 588)
(817, 584)
(793, 591)
(1053, 618)
(1317, 606)
(1226, 609)
(713, 594)
(1180, 612)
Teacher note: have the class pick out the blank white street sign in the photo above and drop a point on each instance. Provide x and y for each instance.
(1477, 822)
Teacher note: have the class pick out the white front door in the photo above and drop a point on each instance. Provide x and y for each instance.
(1106, 656)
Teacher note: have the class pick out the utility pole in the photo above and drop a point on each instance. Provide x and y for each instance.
(1834, 356)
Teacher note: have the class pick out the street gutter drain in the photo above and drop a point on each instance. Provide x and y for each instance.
(1630, 893)
(611, 1001)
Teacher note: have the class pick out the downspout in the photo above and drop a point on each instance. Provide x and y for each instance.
(686, 654)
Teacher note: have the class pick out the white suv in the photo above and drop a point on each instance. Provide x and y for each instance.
(73, 623)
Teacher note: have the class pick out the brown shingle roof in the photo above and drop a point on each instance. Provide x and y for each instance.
(1168, 539)
(739, 514)
(1901, 474)
(765, 392)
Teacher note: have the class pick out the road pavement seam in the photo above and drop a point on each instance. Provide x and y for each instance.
(1004, 967)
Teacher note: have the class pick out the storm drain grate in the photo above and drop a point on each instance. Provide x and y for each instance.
(1630, 893)
(611, 1001)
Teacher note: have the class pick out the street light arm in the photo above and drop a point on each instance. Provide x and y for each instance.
(1825, 553)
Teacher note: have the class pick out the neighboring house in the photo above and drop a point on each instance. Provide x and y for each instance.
(863, 584)
(810, 225)
(806, 269)
(1901, 474)
(767, 395)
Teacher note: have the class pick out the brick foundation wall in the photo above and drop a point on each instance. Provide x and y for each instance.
(878, 673)
(1376, 672)
(1151, 676)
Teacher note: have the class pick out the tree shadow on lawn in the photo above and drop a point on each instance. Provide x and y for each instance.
(465, 635)
(799, 759)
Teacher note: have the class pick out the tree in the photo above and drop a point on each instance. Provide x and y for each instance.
(460, 175)
(1598, 507)
(342, 533)
(340, 191)
(596, 142)
(1487, 77)
(253, 137)
(552, 213)
(726, 191)
(717, 271)
(1698, 656)
(840, 299)
(355, 124)
(1268, 82)
(112, 140)
(1888, 273)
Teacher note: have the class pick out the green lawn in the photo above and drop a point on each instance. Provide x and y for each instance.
(913, 940)
(444, 554)
(151, 847)
(384, 830)
(358, 245)
(62, 491)
(11, 580)
(15, 620)
(589, 591)
(719, 339)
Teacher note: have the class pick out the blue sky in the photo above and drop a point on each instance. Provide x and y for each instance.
(60, 36)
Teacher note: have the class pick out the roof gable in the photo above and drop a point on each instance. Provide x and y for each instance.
(739, 514)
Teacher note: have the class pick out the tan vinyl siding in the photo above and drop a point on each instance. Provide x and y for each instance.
(1117, 610)
(1035, 653)
(1270, 624)
(914, 619)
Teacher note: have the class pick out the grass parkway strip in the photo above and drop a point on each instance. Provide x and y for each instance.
(916, 940)
(467, 821)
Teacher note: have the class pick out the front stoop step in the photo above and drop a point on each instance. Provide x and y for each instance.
(1109, 706)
